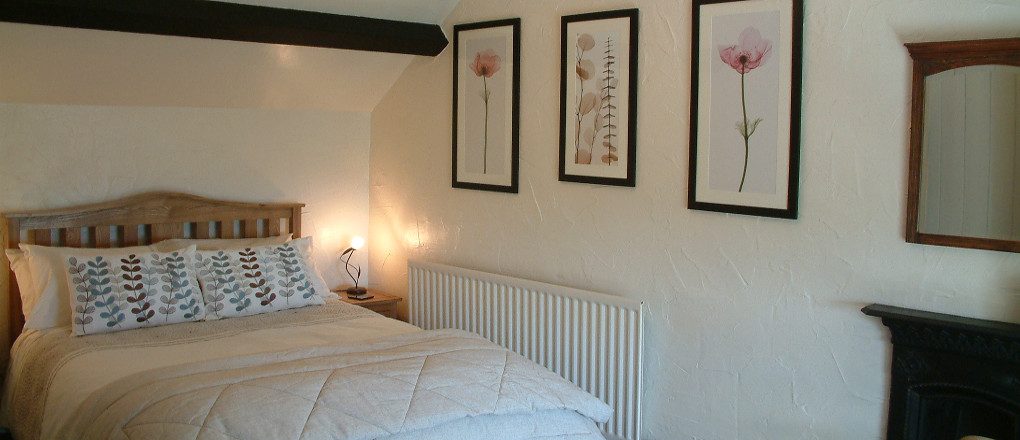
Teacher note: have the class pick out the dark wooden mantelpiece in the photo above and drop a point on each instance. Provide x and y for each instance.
(231, 21)
(951, 376)
(974, 337)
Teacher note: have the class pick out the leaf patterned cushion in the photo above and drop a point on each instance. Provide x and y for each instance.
(249, 281)
(120, 292)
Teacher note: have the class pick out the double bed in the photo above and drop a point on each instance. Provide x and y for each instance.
(331, 371)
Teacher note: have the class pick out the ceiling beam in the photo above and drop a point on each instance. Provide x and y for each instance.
(231, 21)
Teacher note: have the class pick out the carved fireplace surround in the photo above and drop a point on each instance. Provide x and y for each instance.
(952, 377)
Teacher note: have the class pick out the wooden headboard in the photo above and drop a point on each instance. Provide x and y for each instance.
(140, 220)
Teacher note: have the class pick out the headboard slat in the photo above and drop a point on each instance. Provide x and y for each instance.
(72, 237)
(272, 227)
(139, 220)
(41, 237)
(100, 236)
(227, 229)
(295, 221)
(130, 237)
(250, 228)
(202, 229)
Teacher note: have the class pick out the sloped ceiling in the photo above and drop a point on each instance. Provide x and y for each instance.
(53, 65)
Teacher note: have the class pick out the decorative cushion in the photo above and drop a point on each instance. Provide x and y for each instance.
(129, 290)
(249, 281)
(48, 296)
(304, 246)
(215, 244)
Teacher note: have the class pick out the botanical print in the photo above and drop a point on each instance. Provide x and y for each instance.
(745, 94)
(94, 287)
(751, 52)
(485, 80)
(220, 283)
(595, 108)
(132, 277)
(745, 107)
(486, 106)
(144, 286)
(249, 281)
(293, 279)
(261, 284)
(177, 289)
(598, 96)
(486, 65)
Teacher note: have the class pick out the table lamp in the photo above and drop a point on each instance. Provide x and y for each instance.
(357, 242)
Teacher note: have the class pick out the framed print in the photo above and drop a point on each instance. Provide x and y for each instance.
(486, 105)
(745, 107)
(598, 97)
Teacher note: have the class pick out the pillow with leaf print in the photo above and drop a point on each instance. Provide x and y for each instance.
(249, 281)
(131, 290)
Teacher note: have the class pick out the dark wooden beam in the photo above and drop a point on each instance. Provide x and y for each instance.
(231, 21)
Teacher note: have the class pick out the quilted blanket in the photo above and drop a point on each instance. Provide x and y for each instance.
(388, 388)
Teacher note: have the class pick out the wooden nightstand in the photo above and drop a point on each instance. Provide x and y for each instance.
(382, 303)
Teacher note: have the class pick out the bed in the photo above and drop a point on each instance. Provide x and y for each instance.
(325, 371)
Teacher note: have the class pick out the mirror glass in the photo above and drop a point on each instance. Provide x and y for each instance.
(970, 166)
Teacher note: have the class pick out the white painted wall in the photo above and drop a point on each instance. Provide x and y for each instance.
(88, 116)
(754, 326)
(56, 156)
(54, 65)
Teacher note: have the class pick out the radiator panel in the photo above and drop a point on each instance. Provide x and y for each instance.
(590, 339)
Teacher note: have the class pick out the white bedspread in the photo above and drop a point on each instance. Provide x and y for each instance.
(306, 374)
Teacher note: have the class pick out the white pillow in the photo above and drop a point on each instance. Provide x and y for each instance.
(50, 292)
(249, 281)
(22, 273)
(128, 290)
(214, 244)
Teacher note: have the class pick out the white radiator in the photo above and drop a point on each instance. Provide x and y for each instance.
(591, 339)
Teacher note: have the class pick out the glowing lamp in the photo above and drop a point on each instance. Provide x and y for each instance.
(357, 242)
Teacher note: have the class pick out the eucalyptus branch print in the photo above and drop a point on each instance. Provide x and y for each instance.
(750, 52)
(131, 276)
(293, 279)
(177, 288)
(608, 85)
(249, 281)
(586, 101)
(85, 297)
(253, 273)
(169, 297)
(486, 64)
(230, 283)
(93, 278)
(215, 281)
(109, 288)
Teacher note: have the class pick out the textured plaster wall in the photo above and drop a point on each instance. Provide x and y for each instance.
(753, 327)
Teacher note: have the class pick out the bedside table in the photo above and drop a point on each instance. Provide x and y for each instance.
(382, 303)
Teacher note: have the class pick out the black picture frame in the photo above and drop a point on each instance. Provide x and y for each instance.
(791, 210)
(460, 181)
(568, 67)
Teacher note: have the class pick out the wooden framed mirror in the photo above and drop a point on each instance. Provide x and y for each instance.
(964, 178)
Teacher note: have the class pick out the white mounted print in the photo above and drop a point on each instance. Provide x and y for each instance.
(598, 97)
(486, 105)
(745, 107)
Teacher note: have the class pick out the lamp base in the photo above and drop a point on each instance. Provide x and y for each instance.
(356, 290)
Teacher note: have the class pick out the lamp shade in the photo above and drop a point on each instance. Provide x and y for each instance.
(357, 242)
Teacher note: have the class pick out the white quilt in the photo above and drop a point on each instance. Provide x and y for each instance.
(411, 385)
